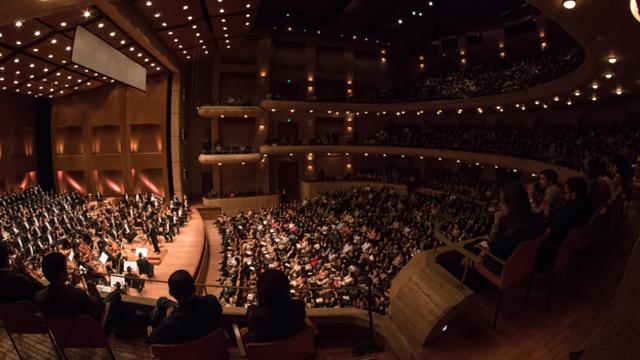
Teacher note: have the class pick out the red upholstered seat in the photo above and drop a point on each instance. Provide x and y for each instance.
(212, 346)
(298, 347)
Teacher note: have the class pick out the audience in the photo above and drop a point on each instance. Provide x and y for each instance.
(391, 175)
(16, 283)
(568, 146)
(575, 213)
(60, 299)
(275, 316)
(552, 194)
(191, 318)
(338, 237)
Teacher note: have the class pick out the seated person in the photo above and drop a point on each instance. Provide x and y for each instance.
(576, 212)
(548, 181)
(191, 318)
(62, 300)
(513, 224)
(15, 282)
(276, 316)
(144, 266)
(133, 280)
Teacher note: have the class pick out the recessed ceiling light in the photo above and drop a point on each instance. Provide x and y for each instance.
(619, 91)
(185, 7)
(18, 42)
(224, 28)
(112, 34)
(156, 15)
(569, 4)
(131, 48)
(63, 24)
(68, 48)
(164, 24)
(594, 85)
(223, 20)
(86, 13)
(53, 41)
(399, 21)
(149, 3)
(19, 23)
(101, 25)
(16, 60)
(612, 59)
(248, 15)
(122, 42)
(608, 75)
(37, 33)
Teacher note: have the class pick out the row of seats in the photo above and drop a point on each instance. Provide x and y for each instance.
(82, 332)
(577, 244)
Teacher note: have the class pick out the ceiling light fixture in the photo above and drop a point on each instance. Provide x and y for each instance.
(612, 60)
(19, 23)
(86, 14)
(569, 4)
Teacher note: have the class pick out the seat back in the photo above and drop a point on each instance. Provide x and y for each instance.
(21, 318)
(77, 332)
(210, 346)
(298, 347)
(592, 228)
(567, 249)
(521, 262)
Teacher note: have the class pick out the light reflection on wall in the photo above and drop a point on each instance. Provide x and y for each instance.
(147, 181)
(28, 180)
(65, 181)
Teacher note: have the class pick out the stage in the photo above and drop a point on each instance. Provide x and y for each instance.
(185, 252)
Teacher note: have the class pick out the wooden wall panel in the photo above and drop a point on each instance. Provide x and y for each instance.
(99, 127)
(17, 141)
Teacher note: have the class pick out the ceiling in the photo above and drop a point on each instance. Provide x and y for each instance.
(193, 28)
(407, 24)
(35, 54)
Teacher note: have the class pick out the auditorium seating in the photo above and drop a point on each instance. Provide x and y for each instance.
(520, 265)
(298, 347)
(211, 346)
(79, 332)
(21, 318)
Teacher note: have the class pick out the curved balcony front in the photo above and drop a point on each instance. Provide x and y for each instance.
(502, 161)
(212, 111)
(226, 159)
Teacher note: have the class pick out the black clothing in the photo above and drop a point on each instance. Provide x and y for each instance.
(191, 319)
(274, 324)
(16, 287)
(66, 301)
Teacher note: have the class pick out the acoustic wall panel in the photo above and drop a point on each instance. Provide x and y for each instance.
(96, 54)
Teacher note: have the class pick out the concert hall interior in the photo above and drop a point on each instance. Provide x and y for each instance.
(329, 179)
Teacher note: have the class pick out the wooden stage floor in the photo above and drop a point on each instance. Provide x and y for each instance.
(183, 253)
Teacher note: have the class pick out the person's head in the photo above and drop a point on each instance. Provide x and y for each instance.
(181, 285)
(547, 178)
(514, 200)
(54, 268)
(273, 289)
(128, 269)
(140, 256)
(576, 188)
(593, 168)
(4, 255)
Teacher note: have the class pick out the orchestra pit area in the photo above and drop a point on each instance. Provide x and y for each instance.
(330, 179)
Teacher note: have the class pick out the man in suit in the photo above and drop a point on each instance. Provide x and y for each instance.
(153, 238)
(144, 266)
(15, 283)
(62, 300)
(191, 318)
